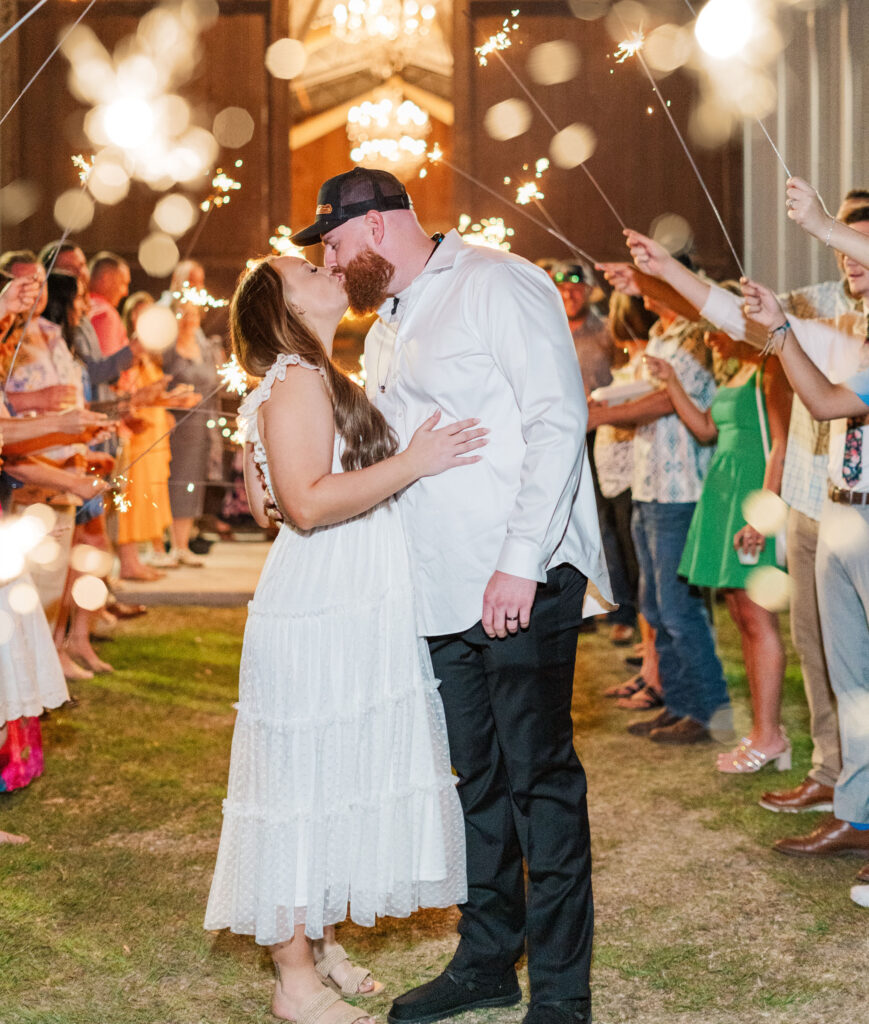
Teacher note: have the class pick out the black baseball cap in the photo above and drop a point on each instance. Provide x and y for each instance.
(350, 195)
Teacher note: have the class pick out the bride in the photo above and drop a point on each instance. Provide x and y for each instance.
(340, 792)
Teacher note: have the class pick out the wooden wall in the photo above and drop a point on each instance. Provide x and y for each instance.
(38, 139)
(638, 161)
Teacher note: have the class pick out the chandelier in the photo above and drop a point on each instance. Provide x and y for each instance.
(388, 130)
(391, 20)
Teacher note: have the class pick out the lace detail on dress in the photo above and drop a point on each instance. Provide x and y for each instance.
(248, 409)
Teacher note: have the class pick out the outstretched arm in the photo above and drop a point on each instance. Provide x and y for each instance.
(297, 429)
(824, 399)
(807, 208)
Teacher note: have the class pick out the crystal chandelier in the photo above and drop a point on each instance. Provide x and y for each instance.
(388, 131)
(391, 20)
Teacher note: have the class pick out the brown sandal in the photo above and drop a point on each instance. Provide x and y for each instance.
(628, 689)
(355, 975)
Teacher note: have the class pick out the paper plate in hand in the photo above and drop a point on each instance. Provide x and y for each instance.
(615, 394)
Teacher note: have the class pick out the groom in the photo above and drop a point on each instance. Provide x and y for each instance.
(501, 555)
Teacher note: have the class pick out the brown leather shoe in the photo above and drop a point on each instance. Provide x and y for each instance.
(809, 795)
(680, 733)
(831, 838)
(644, 726)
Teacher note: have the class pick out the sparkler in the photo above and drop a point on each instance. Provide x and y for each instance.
(44, 64)
(281, 242)
(500, 40)
(233, 377)
(83, 166)
(528, 193)
(222, 185)
(554, 127)
(436, 156)
(630, 47)
(491, 232)
(665, 106)
(198, 297)
(21, 20)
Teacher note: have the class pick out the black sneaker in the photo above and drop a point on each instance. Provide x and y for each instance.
(447, 995)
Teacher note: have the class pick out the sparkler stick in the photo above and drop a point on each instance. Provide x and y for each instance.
(758, 121)
(497, 52)
(664, 106)
(438, 157)
(42, 67)
(21, 20)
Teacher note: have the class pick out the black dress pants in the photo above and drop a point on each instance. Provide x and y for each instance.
(523, 793)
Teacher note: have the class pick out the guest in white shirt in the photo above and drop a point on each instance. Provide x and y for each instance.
(501, 563)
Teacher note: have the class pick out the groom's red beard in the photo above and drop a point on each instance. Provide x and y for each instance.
(366, 280)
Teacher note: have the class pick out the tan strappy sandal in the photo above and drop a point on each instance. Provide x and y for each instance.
(355, 975)
(315, 1007)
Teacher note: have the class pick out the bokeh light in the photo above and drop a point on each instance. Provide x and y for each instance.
(724, 27)
(23, 598)
(18, 201)
(668, 47)
(769, 587)
(73, 210)
(765, 511)
(47, 553)
(109, 181)
(553, 62)
(572, 146)
(233, 127)
(158, 254)
(286, 58)
(588, 10)
(507, 119)
(89, 592)
(157, 328)
(86, 558)
(175, 214)
(673, 232)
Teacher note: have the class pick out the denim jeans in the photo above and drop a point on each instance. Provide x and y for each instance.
(691, 673)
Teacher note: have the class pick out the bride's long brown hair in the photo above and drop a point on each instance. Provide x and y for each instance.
(263, 325)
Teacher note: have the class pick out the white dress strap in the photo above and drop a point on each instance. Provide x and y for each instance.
(247, 411)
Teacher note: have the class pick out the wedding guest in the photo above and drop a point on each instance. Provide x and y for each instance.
(670, 465)
(748, 421)
(110, 285)
(338, 705)
(146, 512)
(189, 362)
(829, 369)
(465, 327)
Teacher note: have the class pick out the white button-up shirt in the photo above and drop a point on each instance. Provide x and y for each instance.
(481, 332)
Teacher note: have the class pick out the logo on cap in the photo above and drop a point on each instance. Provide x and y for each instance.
(324, 208)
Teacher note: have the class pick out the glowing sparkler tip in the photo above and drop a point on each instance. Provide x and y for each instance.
(281, 242)
(499, 40)
(121, 503)
(233, 376)
(198, 297)
(527, 193)
(435, 154)
(83, 166)
(630, 47)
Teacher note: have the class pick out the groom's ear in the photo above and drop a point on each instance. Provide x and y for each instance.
(374, 223)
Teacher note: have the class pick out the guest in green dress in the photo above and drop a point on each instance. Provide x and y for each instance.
(718, 534)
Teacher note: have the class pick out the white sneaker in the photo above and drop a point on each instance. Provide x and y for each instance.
(184, 556)
(860, 895)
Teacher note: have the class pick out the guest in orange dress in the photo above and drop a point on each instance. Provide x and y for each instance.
(145, 512)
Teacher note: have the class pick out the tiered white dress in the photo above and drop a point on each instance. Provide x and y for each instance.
(340, 791)
(31, 678)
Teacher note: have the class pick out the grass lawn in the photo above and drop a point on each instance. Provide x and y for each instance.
(101, 914)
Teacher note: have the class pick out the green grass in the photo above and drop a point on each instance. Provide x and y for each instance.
(101, 914)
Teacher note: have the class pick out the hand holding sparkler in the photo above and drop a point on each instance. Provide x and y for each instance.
(18, 296)
(622, 276)
(762, 306)
(649, 256)
(807, 208)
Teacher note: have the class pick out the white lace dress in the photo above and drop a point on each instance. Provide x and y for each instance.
(340, 791)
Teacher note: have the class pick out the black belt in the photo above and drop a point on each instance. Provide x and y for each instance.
(845, 496)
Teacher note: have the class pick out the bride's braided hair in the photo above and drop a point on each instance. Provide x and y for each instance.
(263, 325)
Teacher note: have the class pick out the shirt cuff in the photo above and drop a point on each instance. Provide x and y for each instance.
(519, 558)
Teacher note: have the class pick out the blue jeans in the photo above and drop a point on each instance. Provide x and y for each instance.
(691, 674)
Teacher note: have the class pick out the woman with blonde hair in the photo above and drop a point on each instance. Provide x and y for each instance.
(340, 791)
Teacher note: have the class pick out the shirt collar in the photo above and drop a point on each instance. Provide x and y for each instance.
(442, 258)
